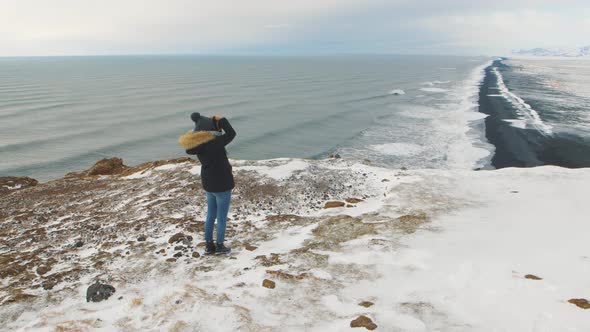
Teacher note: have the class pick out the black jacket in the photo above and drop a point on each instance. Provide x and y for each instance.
(216, 171)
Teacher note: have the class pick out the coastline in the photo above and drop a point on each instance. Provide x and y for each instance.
(523, 145)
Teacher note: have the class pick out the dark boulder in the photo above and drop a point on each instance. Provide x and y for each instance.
(98, 292)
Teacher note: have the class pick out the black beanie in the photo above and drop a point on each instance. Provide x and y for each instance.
(202, 122)
(196, 116)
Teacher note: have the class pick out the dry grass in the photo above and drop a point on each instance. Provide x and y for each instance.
(136, 302)
(178, 326)
(74, 326)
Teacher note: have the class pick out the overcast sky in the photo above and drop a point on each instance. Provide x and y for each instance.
(82, 27)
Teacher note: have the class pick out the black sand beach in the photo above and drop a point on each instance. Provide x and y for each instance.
(517, 147)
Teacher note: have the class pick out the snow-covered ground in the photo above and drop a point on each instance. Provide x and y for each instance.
(431, 250)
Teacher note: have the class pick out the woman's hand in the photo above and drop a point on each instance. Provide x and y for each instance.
(216, 119)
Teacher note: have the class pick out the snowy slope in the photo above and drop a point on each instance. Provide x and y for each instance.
(555, 52)
(432, 250)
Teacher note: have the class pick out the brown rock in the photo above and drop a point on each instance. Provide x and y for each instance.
(43, 269)
(250, 247)
(174, 238)
(268, 284)
(349, 205)
(171, 260)
(533, 277)
(11, 183)
(107, 167)
(48, 284)
(353, 200)
(581, 303)
(333, 204)
(196, 255)
(366, 304)
(363, 321)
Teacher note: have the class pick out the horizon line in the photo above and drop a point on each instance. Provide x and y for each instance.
(240, 55)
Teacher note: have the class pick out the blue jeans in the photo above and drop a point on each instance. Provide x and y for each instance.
(217, 207)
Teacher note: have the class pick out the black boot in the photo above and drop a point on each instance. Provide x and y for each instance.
(221, 249)
(210, 248)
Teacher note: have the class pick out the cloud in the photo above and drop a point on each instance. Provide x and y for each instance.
(39, 27)
(505, 30)
(277, 26)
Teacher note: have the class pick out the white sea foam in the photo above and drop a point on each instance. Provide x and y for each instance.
(420, 112)
(525, 111)
(398, 149)
(397, 92)
(434, 90)
(472, 149)
(435, 83)
(517, 123)
(447, 130)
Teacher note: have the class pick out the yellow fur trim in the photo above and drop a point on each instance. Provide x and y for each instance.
(191, 140)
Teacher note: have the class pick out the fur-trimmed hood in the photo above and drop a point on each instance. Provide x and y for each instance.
(192, 139)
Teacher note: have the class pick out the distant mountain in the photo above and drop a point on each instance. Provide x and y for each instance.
(573, 53)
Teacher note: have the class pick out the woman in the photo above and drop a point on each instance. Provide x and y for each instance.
(208, 142)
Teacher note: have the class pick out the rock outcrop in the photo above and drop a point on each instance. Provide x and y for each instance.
(9, 184)
(107, 167)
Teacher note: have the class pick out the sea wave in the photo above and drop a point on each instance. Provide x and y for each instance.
(398, 149)
(433, 83)
(434, 90)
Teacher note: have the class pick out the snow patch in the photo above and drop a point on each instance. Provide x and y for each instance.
(138, 175)
(283, 170)
(195, 170)
(167, 167)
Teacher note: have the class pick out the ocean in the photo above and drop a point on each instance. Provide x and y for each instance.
(62, 114)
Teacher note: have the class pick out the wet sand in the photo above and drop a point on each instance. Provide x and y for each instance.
(517, 147)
